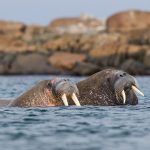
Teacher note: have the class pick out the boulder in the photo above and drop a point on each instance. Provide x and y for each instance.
(135, 51)
(65, 60)
(33, 63)
(104, 50)
(108, 54)
(133, 67)
(36, 34)
(107, 44)
(65, 42)
(147, 59)
(128, 21)
(85, 20)
(75, 25)
(5, 62)
(74, 43)
(14, 45)
(140, 37)
(10, 27)
(85, 68)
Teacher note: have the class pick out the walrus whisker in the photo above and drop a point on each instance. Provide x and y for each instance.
(64, 99)
(75, 99)
(117, 97)
(124, 96)
(137, 90)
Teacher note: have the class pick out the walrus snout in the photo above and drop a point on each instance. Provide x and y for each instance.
(65, 88)
(124, 87)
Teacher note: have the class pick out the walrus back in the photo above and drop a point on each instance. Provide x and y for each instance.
(29, 98)
(4, 103)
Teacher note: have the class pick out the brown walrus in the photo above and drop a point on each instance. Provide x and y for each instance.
(107, 87)
(47, 93)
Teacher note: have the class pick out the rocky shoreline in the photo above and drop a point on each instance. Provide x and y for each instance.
(77, 46)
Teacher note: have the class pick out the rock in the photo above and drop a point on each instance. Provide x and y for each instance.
(141, 37)
(33, 63)
(36, 34)
(61, 43)
(14, 45)
(128, 20)
(104, 50)
(108, 54)
(5, 62)
(85, 68)
(135, 51)
(73, 43)
(133, 67)
(9, 27)
(147, 59)
(77, 25)
(115, 53)
(107, 44)
(87, 21)
(65, 60)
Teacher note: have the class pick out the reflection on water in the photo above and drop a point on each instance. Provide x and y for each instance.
(88, 127)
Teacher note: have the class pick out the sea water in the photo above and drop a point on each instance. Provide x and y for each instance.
(72, 128)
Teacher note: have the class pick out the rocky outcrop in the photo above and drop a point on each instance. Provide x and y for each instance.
(82, 24)
(8, 27)
(79, 46)
(128, 21)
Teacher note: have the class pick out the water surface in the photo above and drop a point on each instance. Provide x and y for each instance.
(72, 128)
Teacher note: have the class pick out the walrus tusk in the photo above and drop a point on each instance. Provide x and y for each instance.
(137, 90)
(75, 99)
(64, 99)
(124, 96)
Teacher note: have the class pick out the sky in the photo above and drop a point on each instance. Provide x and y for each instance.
(44, 11)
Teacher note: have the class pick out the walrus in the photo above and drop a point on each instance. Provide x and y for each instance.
(109, 87)
(106, 88)
(55, 92)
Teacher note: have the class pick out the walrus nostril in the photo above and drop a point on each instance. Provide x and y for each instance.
(123, 74)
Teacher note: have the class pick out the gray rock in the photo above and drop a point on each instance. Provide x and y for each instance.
(33, 63)
(83, 68)
(133, 67)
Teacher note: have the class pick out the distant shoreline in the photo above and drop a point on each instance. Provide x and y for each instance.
(77, 46)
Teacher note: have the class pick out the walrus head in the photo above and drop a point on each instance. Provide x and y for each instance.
(108, 87)
(124, 86)
(48, 93)
(65, 90)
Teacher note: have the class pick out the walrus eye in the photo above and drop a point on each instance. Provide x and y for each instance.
(108, 80)
(49, 85)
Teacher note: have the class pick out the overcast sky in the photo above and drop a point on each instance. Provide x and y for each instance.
(43, 11)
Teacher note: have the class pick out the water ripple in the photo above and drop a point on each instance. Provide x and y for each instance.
(61, 128)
